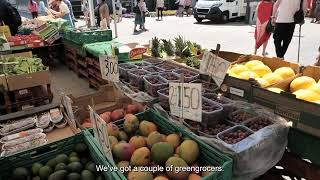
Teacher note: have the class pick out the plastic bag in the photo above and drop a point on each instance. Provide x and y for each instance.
(17, 126)
(20, 135)
(43, 120)
(56, 115)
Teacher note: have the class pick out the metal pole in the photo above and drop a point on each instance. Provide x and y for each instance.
(299, 43)
(114, 19)
(91, 13)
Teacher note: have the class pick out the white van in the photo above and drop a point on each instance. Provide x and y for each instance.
(219, 9)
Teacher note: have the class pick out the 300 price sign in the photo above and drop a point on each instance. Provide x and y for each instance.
(109, 68)
(185, 100)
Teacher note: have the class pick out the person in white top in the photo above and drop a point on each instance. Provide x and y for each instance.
(283, 18)
(160, 6)
(63, 13)
(119, 10)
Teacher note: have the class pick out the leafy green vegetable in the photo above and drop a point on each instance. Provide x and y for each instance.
(21, 65)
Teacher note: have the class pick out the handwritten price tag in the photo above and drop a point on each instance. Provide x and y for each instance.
(109, 68)
(214, 66)
(185, 100)
(67, 103)
(100, 133)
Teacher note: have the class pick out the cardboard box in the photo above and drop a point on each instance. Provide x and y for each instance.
(3, 82)
(304, 115)
(107, 98)
(22, 81)
(242, 89)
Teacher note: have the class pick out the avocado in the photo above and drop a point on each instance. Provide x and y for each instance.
(20, 173)
(91, 167)
(84, 160)
(60, 166)
(100, 178)
(45, 172)
(75, 167)
(87, 175)
(74, 176)
(74, 159)
(62, 158)
(35, 168)
(59, 175)
(73, 154)
(80, 148)
(36, 178)
(52, 163)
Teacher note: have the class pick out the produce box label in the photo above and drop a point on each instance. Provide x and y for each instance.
(237, 92)
(100, 133)
(109, 68)
(136, 53)
(185, 100)
(214, 66)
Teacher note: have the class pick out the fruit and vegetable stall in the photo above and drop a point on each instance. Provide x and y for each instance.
(166, 110)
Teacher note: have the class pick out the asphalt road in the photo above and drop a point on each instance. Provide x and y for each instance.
(233, 36)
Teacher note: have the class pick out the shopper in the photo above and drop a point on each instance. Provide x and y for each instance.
(140, 11)
(42, 9)
(33, 8)
(85, 11)
(63, 13)
(104, 16)
(97, 10)
(188, 4)
(317, 12)
(318, 58)
(180, 8)
(54, 6)
(119, 10)
(68, 3)
(263, 14)
(9, 16)
(160, 7)
(283, 18)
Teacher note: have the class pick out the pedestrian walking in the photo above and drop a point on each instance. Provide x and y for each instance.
(284, 20)
(68, 3)
(188, 5)
(160, 7)
(119, 10)
(33, 8)
(180, 8)
(140, 11)
(263, 14)
(104, 16)
(85, 10)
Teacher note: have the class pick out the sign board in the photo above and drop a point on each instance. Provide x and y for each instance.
(136, 53)
(214, 66)
(109, 68)
(67, 103)
(185, 100)
(100, 133)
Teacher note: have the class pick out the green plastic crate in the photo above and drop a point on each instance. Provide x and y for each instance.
(49, 151)
(208, 155)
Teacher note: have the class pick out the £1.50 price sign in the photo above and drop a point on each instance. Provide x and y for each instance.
(186, 101)
(100, 133)
(109, 68)
(214, 66)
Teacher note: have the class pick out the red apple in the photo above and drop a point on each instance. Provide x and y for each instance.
(106, 116)
(117, 114)
(132, 109)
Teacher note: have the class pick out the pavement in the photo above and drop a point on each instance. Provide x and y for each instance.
(233, 36)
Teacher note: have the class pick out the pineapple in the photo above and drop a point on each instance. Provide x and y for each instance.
(168, 47)
(156, 47)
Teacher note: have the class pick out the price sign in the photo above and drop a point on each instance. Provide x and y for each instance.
(185, 100)
(100, 133)
(67, 103)
(109, 68)
(214, 66)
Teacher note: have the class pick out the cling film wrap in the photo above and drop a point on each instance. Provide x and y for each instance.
(23, 144)
(259, 152)
(17, 126)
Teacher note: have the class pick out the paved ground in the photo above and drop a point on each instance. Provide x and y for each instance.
(234, 36)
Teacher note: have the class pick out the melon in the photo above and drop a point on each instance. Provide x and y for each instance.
(239, 68)
(246, 75)
(261, 70)
(303, 82)
(272, 78)
(315, 88)
(253, 63)
(263, 83)
(276, 90)
(307, 95)
(285, 72)
(317, 102)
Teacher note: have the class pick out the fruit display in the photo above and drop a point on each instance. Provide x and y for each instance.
(207, 87)
(152, 145)
(170, 76)
(153, 69)
(154, 61)
(226, 103)
(141, 64)
(73, 165)
(234, 135)
(258, 123)
(212, 131)
(153, 83)
(192, 125)
(115, 115)
(136, 78)
(167, 67)
(21, 65)
(260, 72)
(164, 98)
(211, 112)
(306, 88)
(123, 70)
(188, 75)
